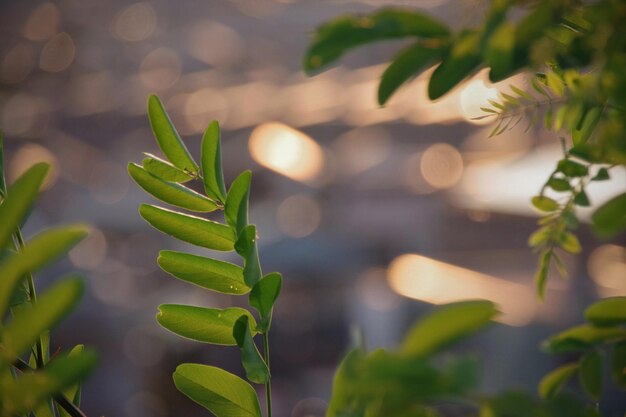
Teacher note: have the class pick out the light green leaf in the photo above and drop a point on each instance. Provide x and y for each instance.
(263, 296)
(607, 312)
(554, 382)
(212, 163)
(541, 275)
(20, 198)
(407, 64)
(590, 374)
(618, 364)
(344, 400)
(544, 203)
(220, 392)
(256, 369)
(209, 325)
(38, 252)
(582, 337)
(190, 229)
(31, 389)
(570, 243)
(555, 83)
(246, 247)
(73, 392)
(204, 272)
(610, 218)
(164, 170)
(590, 121)
(236, 208)
(559, 184)
(446, 324)
(336, 37)
(26, 326)
(169, 192)
(168, 138)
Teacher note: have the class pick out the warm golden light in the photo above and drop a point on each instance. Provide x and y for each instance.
(58, 53)
(298, 216)
(437, 282)
(287, 151)
(607, 267)
(476, 94)
(441, 165)
(30, 154)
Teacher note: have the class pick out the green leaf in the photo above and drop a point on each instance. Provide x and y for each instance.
(554, 382)
(31, 389)
(336, 37)
(581, 199)
(445, 325)
(610, 218)
(73, 392)
(461, 61)
(570, 243)
(247, 248)
(601, 175)
(164, 170)
(190, 229)
(499, 52)
(555, 83)
(344, 402)
(589, 123)
(37, 253)
(220, 392)
(236, 206)
(559, 184)
(407, 64)
(169, 192)
(212, 163)
(19, 199)
(208, 325)
(256, 369)
(263, 296)
(607, 312)
(571, 168)
(2, 180)
(168, 138)
(541, 275)
(590, 374)
(204, 272)
(29, 322)
(618, 364)
(544, 203)
(582, 337)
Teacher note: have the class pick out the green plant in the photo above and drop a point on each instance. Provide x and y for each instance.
(222, 393)
(43, 385)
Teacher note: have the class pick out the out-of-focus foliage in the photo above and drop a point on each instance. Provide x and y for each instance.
(222, 393)
(31, 381)
(576, 52)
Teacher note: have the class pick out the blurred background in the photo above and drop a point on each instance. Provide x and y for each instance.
(371, 214)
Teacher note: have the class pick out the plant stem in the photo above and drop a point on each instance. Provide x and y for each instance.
(268, 386)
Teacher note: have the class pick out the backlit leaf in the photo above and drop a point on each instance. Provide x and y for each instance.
(544, 203)
(554, 382)
(256, 369)
(212, 163)
(263, 296)
(236, 207)
(164, 170)
(246, 247)
(607, 312)
(582, 337)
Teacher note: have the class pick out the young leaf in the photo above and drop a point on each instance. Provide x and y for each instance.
(164, 170)
(610, 218)
(38, 252)
(445, 325)
(590, 374)
(408, 63)
(208, 325)
(544, 203)
(190, 229)
(220, 392)
(247, 248)
(554, 382)
(618, 364)
(168, 138)
(607, 312)
(204, 272)
(169, 192)
(263, 296)
(236, 206)
(212, 163)
(29, 323)
(256, 369)
(19, 199)
(582, 337)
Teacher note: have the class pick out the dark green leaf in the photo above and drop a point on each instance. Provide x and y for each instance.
(20, 197)
(544, 203)
(212, 163)
(559, 184)
(610, 218)
(164, 170)
(204, 272)
(499, 52)
(338, 36)
(582, 337)
(191, 229)
(168, 138)
(607, 312)
(589, 123)
(407, 64)
(38, 252)
(72, 393)
(601, 175)
(263, 296)
(618, 364)
(236, 207)
(446, 324)
(256, 369)
(571, 168)
(208, 325)
(581, 199)
(590, 373)
(554, 382)
(246, 247)
(169, 192)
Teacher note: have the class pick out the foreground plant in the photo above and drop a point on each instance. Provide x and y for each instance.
(222, 393)
(39, 385)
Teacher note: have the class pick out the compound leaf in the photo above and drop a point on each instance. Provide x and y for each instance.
(164, 170)
(263, 296)
(212, 163)
(256, 369)
(236, 206)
